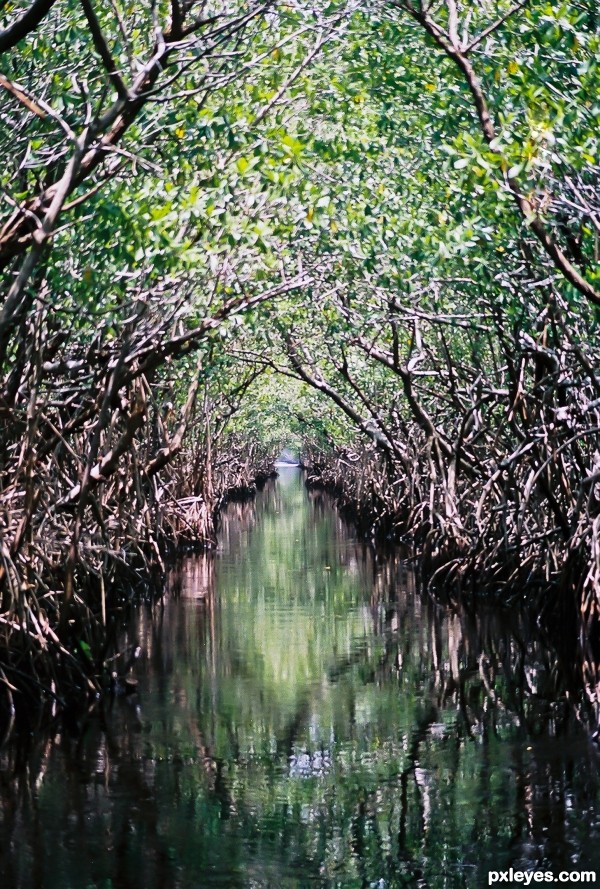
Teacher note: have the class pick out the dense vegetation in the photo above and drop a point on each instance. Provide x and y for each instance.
(369, 230)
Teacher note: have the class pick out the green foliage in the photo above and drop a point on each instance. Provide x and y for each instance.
(418, 193)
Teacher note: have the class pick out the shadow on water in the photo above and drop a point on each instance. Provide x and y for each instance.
(306, 719)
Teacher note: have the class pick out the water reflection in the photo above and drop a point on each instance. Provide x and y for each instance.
(306, 719)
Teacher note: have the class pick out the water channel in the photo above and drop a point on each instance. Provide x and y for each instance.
(305, 718)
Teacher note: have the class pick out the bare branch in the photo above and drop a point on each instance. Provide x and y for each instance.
(103, 50)
(494, 26)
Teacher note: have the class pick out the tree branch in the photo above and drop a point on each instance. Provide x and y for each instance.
(367, 426)
(24, 25)
(103, 50)
(526, 207)
(494, 26)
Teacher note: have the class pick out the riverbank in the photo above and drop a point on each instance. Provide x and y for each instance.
(454, 557)
(59, 656)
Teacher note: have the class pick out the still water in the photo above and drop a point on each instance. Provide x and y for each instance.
(304, 718)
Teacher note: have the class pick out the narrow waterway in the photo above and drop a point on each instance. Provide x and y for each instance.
(304, 718)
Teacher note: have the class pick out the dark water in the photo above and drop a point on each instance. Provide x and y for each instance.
(306, 719)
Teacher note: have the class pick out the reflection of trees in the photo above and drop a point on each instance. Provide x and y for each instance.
(73, 793)
(405, 739)
(498, 680)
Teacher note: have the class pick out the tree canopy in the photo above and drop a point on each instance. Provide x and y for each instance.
(367, 229)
